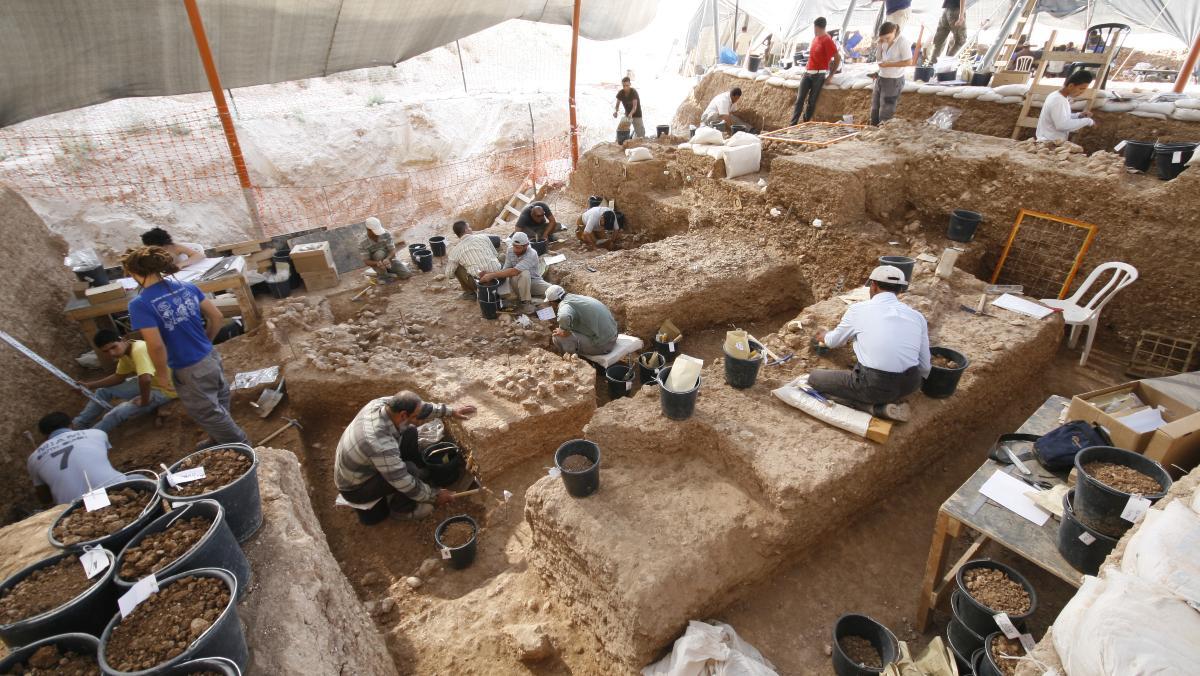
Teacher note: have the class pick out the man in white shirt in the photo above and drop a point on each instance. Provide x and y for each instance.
(474, 255)
(1057, 121)
(720, 109)
(521, 275)
(895, 56)
(598, 218)
(891, 342)
(70, 461)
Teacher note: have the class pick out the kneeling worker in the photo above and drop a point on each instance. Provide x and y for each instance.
(597, 218)
(70, 461)
(377, 458)
(585, 326)
(378, 251)
(140, 395)
(474, 255)
(520, 270)
(891, 342)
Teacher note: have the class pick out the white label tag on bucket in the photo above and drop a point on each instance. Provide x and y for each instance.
(671, 346)
(1177, 157)
(507, 495)
(95, 499)
(93, 561)
(1086, 538)
(445, 552)
(194, 474)
(628, 385)
(1006, 625)
(1135, 509)
(1028, 643)
(545, 314)
(1118, 147)
(554, 472)
(139, 592)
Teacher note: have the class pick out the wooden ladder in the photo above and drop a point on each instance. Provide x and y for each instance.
(1010, 43)
(520, 199)
(1103, 59)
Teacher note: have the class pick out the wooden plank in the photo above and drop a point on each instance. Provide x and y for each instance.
(523, 197)
(510, 210)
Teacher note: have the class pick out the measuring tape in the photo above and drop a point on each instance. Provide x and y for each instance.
(53, 370)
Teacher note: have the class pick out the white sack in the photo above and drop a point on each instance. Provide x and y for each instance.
(971, 92)
(929, 89)
(708, 136)
(714, 649)
(1142, 113)
(1164, 107)
(742, 139)
(1011, 99)
(912, 86)
(841, 417)
(1165, 550)
(776, 81)
(990, 97)
(841, 79)
(1117, 106)
(1186, 114)
(947, 91)
(763, 77)
(1012, 89)
(700, 149)
(715, 152)
(745, 74)
(864, 83)
(1193, 104)
(637, 154)
(741, 160)
(791, 84)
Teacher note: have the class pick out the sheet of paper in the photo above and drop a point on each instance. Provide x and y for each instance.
(545, 314)
(554, 258)
(1010, 493)
(858, 295)
(1145, 420)
(1022, 306)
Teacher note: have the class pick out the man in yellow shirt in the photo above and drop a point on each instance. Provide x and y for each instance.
(140, 395)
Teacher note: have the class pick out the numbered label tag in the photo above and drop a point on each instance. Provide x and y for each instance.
(507, 495)
(1177, 157)
(187, 475)
(1028, 643)
(1087, 538)
(445, 552)
(545, 314)
(1006, 625)
(139, 592)
(94, 561)
(671, 346)
(1135, 509)
(628, 385)
(95, 499)
(554, 472)
(1118, 147)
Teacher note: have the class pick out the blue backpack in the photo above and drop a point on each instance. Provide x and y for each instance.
(1056, 449)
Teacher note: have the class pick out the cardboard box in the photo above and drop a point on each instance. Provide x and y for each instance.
(1176, 445)
(102, 294)
(313, 257)
(319, 281)
(1083, 407)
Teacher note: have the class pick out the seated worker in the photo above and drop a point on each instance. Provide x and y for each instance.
(377, 457)
(1056, 121)
(69, 461)
(596, 218)
(891, 342)
(720, 109)
(379, 252)
(141, 394)
(585, 326)
(185, 254)
(537, 221)
(473, 255)
(520, 270)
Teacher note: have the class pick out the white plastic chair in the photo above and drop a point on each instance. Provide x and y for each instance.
(1024, 64)
(1078, 314)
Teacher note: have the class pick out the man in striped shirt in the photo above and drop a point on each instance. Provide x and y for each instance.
(378, 463)
(474, 254)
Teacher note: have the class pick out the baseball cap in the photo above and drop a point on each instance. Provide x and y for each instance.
(554, 292)
(374, 225)
(520, 238)
(888, 274)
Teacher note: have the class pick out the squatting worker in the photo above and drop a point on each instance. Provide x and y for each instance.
(1056, 120)
(69, 461)
(473, 255)
(953, 21)
(823, 61)
(585, 325)
(172, 317)
(186, 254)
(895, 56)
(132, 382)
(627, 96)
(600, 217)
(721, 108)
(377, 458)
(522, 271)
(378, 251)
(891, 342)
(537, 221)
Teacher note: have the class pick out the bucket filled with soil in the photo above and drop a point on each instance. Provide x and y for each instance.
(230, 478)
(1002, 655)
(741, 374)
(445, 463)
(192, 615)
(946, 367)
(989, 587)
(55, 596)
(61, 655)
(1108, 478)
(205, 666)
(1082, 547)
(578, 461)
(962, 225)
(194, 536)
(648, 365)
(1139, 155)
(963, 640)
(132, 504)
(457, 538)
(903, 263)
(620, 381)
(862, 646)
(488, 295)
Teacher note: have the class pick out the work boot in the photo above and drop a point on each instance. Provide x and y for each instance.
(420, 512)
(466, 295)
(404, 272)
(205, 443)
(898, 412)
(526, 308)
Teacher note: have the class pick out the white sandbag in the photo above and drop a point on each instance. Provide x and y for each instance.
(1011, 99)
(1142, 113)
(989, 97)
(1117, 106)
(929, 89)
(708, 136)
(715, 152)
(864, 83)
(1193, 104)
(776, 81)
(1078, 106)
(1164, 107)
(742, 160)
(1123, 625)
(1186, 114)
(792, 84)
(763, 77)
(832, 86)
(637, 155)
(701, 149)
(714, 649)
(742, 138)
(841, 417)
(911, 86)
(1165, 550)
(745, 74)
(841, 79)
(971, 92)
(684, 146)
(947, 91)
(1011, 89)
(795, 74)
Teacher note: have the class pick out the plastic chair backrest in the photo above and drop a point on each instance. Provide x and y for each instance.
(1024, 64)
(1124, 274)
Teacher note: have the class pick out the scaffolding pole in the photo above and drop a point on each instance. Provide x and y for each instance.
(1189, 66)
(571, 100)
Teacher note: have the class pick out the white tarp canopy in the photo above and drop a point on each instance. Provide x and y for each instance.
(64, 54)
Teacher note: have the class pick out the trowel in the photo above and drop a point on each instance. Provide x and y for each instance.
(268, 400)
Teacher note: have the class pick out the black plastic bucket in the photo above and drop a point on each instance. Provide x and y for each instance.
(424, 259)
(79, 643)
(114, 541)
(624, 135)
(923, 73)
(224, 638)
(538, 245)
(963, 641)
(941, 381)
(883, 640)
(594, 201)
(676, 405)
(216, 549)
(740, 374)
(218, 665)
(620, 380)
(669, 350)
(584, 482)
(85, 613)
(980, 79)
(753, 63)
(96, 276)
(987, 665)
(963, 224)
(1139, 155)
(488, 294)
(905, 264)
(663, 130)
(973, 639)
(280, 289)
(464, 555)
(1099, 506)
(1164, 158)
(977, 660)
(739, 127)
(444, 462)
(414, 248)
(978, 617)
(648, 365)
(1085, 557)
(946, 76)
(243, 506)
(437, 245)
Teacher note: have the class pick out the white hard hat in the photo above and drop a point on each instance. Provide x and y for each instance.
(554, 292)
(888, 274)
(374, 225)
(520, 238)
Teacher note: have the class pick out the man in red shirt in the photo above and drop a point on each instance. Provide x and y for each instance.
(823, 60)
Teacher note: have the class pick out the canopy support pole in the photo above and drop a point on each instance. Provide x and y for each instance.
(571, 100)
(716, 30)
(846, 21)
(1189, 66)
(989, 59)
